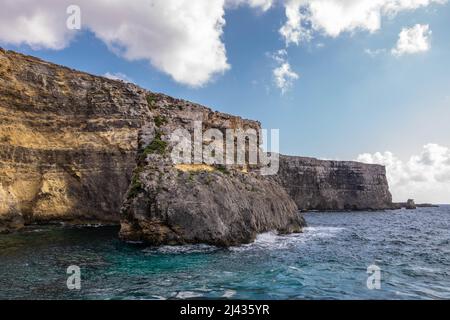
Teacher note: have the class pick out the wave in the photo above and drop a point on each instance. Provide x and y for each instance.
(194, 248)
(272, 240)
(322, 232)
(188, 295)
(229, 294)
(267, 240)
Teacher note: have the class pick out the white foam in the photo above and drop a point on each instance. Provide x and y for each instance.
(197, 248)
(229, 294)
(273, 241)
(188, 294)
(267, 241)
(322, 232)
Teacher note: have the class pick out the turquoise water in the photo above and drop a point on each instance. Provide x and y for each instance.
(328, 261)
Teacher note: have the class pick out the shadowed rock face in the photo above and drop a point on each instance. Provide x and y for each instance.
(334, 185)
(170, 204)
(71, 143)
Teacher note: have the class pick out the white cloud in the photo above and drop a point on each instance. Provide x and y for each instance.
(332, 17)
(413, 40)
(283, 75)
(34, 24)
(263, 5)
(424, 177)
(294, 31)
(374, 53)
(183, 38)
(118, 76)
(179, 37)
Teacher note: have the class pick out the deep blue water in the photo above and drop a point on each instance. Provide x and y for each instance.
(328, 261)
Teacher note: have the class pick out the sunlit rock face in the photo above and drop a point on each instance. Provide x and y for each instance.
(68, 142)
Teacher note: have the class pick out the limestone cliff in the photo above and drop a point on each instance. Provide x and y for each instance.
(334, 185)
(190, 203)
(68, 142)
(71, 144)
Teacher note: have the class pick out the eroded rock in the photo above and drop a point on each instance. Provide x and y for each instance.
(178, 204)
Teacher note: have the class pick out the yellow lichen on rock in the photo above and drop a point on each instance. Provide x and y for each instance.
(194, 167)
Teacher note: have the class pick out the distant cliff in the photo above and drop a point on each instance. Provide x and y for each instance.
(334, 185)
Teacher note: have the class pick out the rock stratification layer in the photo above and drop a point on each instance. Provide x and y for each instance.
(68, 143)
(334, 185)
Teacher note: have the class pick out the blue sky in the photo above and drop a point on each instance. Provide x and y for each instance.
(345, 102)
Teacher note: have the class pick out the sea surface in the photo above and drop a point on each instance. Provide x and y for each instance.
(328, 261)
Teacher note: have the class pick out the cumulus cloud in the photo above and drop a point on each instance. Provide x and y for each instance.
(34, 24)
(294, 30)
(413, 40)
(424, 177)
(117, 76)
(284, 76)
(183, 38)
(332, 17)
(179, 37)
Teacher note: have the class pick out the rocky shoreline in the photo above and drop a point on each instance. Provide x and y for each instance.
(77, 148)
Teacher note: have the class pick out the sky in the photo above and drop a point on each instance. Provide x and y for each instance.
(365, 80)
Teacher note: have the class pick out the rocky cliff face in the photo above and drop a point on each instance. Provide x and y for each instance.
(68, 143)
(171, 203)
(334, 185)
(80, 149)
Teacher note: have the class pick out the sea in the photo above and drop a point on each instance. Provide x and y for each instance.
(400, 254)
